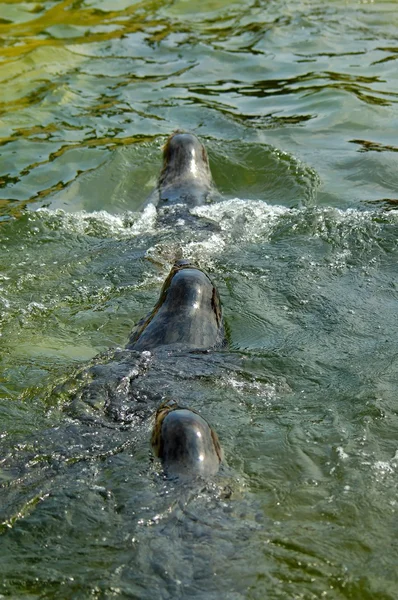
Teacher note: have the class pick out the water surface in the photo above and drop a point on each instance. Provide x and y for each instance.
(297, 105)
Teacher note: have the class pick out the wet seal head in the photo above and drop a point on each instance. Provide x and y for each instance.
(187, 313)
(185, 177)
(186, 444)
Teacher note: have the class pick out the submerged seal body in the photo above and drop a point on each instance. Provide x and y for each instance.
(187, 313)
(185, 443)
(185, 177)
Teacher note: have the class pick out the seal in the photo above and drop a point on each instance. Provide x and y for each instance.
(187, 313)
(186, 444)
(185, 177)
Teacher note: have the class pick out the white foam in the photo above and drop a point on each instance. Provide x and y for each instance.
(384, 468)
(342, 454)
(128, 224)
(252, 219)
(238, 222)
(266, 392)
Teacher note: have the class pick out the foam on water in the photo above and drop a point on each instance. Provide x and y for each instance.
(101, 223)
(386, 468)
(251, 220)
(237, 225)
(255, 220)
(251, 391)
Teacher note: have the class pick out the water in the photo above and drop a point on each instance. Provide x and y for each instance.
(297, 105)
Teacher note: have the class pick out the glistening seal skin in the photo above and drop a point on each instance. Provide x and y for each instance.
(187, 313)
(185, 177)
(186, 444)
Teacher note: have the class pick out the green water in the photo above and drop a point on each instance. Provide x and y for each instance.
(296, 103)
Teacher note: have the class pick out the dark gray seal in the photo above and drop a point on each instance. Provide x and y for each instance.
(185, 177)
(187, 313)
(185, 443)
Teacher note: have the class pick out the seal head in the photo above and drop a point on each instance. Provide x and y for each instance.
(186, 444)
(188, 313)
(185, 177)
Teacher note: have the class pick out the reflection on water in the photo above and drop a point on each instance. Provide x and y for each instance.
(296, 105)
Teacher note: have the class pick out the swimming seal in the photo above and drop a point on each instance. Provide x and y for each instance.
(185, 443)
(188, 313)
(185, 177)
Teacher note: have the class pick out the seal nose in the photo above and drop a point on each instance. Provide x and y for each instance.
(185, 443)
